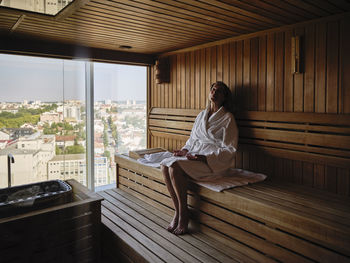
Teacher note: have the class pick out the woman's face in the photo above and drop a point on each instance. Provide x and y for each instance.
(217, 95)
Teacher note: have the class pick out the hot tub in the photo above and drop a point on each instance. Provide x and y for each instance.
(52, 230)
(24, 198)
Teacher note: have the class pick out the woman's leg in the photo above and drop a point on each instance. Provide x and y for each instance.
(179, 183)
(173, 223)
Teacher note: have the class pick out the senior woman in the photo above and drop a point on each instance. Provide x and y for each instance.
(208, 153)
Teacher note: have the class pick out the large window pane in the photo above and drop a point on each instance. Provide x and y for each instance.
(42, 121)
(43, 118)
(120, 115)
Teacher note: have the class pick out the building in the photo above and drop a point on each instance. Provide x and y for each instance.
(73, 166)
(31, 154)
(51, 117)
(67, 166)
(42, 6)
(72, 112)
(16, 133)
(24, 170)
(4, 135)
(65, 140)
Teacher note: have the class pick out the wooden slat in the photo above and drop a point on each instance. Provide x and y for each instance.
(309, 80)
(326, 140)
(279, 58)
(186, 252)
(332, 67)
(171, 124)
(273, 235)
(262, 74)
(191, 243)
(108, 219)
(152, 237)
(172, 117)
(334, 119)
(270, 72)
(299, 156)
(295, 126)
(152, 184)
(175, 136)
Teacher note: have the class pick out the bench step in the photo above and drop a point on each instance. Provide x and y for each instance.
(135, 231)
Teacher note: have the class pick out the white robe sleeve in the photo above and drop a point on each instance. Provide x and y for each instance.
(223, 158)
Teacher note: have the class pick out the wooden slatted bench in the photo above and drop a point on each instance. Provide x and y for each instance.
(272, 221)
(134, 231)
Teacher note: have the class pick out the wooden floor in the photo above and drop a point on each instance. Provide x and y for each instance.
(130, 225)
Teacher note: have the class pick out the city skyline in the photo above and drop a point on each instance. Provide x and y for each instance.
(34, 78)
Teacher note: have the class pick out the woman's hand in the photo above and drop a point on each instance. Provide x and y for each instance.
(180, 152)
(197, 157)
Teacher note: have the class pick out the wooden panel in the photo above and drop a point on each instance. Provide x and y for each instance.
(279, 58)
(262, 74)
(259, 74)
(253, 92)
(270, 74)
(345, 66)
(332, 67)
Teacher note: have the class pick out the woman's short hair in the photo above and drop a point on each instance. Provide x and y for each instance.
(228, 102)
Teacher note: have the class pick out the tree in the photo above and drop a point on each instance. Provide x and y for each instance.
(58, 150)
(107, 154)
(105, 139)
(75, 149)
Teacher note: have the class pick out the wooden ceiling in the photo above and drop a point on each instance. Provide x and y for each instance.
(153, 27)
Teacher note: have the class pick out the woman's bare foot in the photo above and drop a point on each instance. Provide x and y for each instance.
(173, 223)
(182, 226)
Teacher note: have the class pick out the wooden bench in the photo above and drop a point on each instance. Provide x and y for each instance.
(134, 231)
(269, 221)
(306, 148)
(272, 221)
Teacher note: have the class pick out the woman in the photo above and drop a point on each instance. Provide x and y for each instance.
(208, 153)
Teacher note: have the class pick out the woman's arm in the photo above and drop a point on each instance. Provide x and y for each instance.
(190, 141)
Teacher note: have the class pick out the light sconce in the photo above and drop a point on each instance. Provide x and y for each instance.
(162, 70)
(296, 55)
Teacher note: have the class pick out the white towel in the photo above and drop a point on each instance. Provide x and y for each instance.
(154, 159)
(235, 177)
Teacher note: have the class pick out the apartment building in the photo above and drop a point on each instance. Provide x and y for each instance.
(73, 166)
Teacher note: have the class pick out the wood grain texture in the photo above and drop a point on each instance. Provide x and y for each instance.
(282, 221)
(257, 70)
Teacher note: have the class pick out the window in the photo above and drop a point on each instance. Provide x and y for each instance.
(120, 115)
(52, 7)
(35, 93)
(43, 115)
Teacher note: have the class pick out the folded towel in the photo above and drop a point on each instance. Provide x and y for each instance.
(235, 177)
(154, 159)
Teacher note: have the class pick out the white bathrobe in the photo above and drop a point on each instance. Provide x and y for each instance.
(216, 138)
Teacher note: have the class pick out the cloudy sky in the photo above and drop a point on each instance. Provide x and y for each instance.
(47, 79)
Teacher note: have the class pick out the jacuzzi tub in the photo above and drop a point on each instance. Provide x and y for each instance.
(24, 198)
(51, 230)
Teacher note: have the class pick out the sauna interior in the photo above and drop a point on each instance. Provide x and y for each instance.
(287, 63)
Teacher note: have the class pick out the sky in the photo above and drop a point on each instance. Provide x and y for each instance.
(48, 79)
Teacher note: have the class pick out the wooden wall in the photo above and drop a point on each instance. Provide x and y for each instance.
(257, 68)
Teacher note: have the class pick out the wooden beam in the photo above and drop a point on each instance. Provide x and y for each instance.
(18, 22)
(21, 44)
